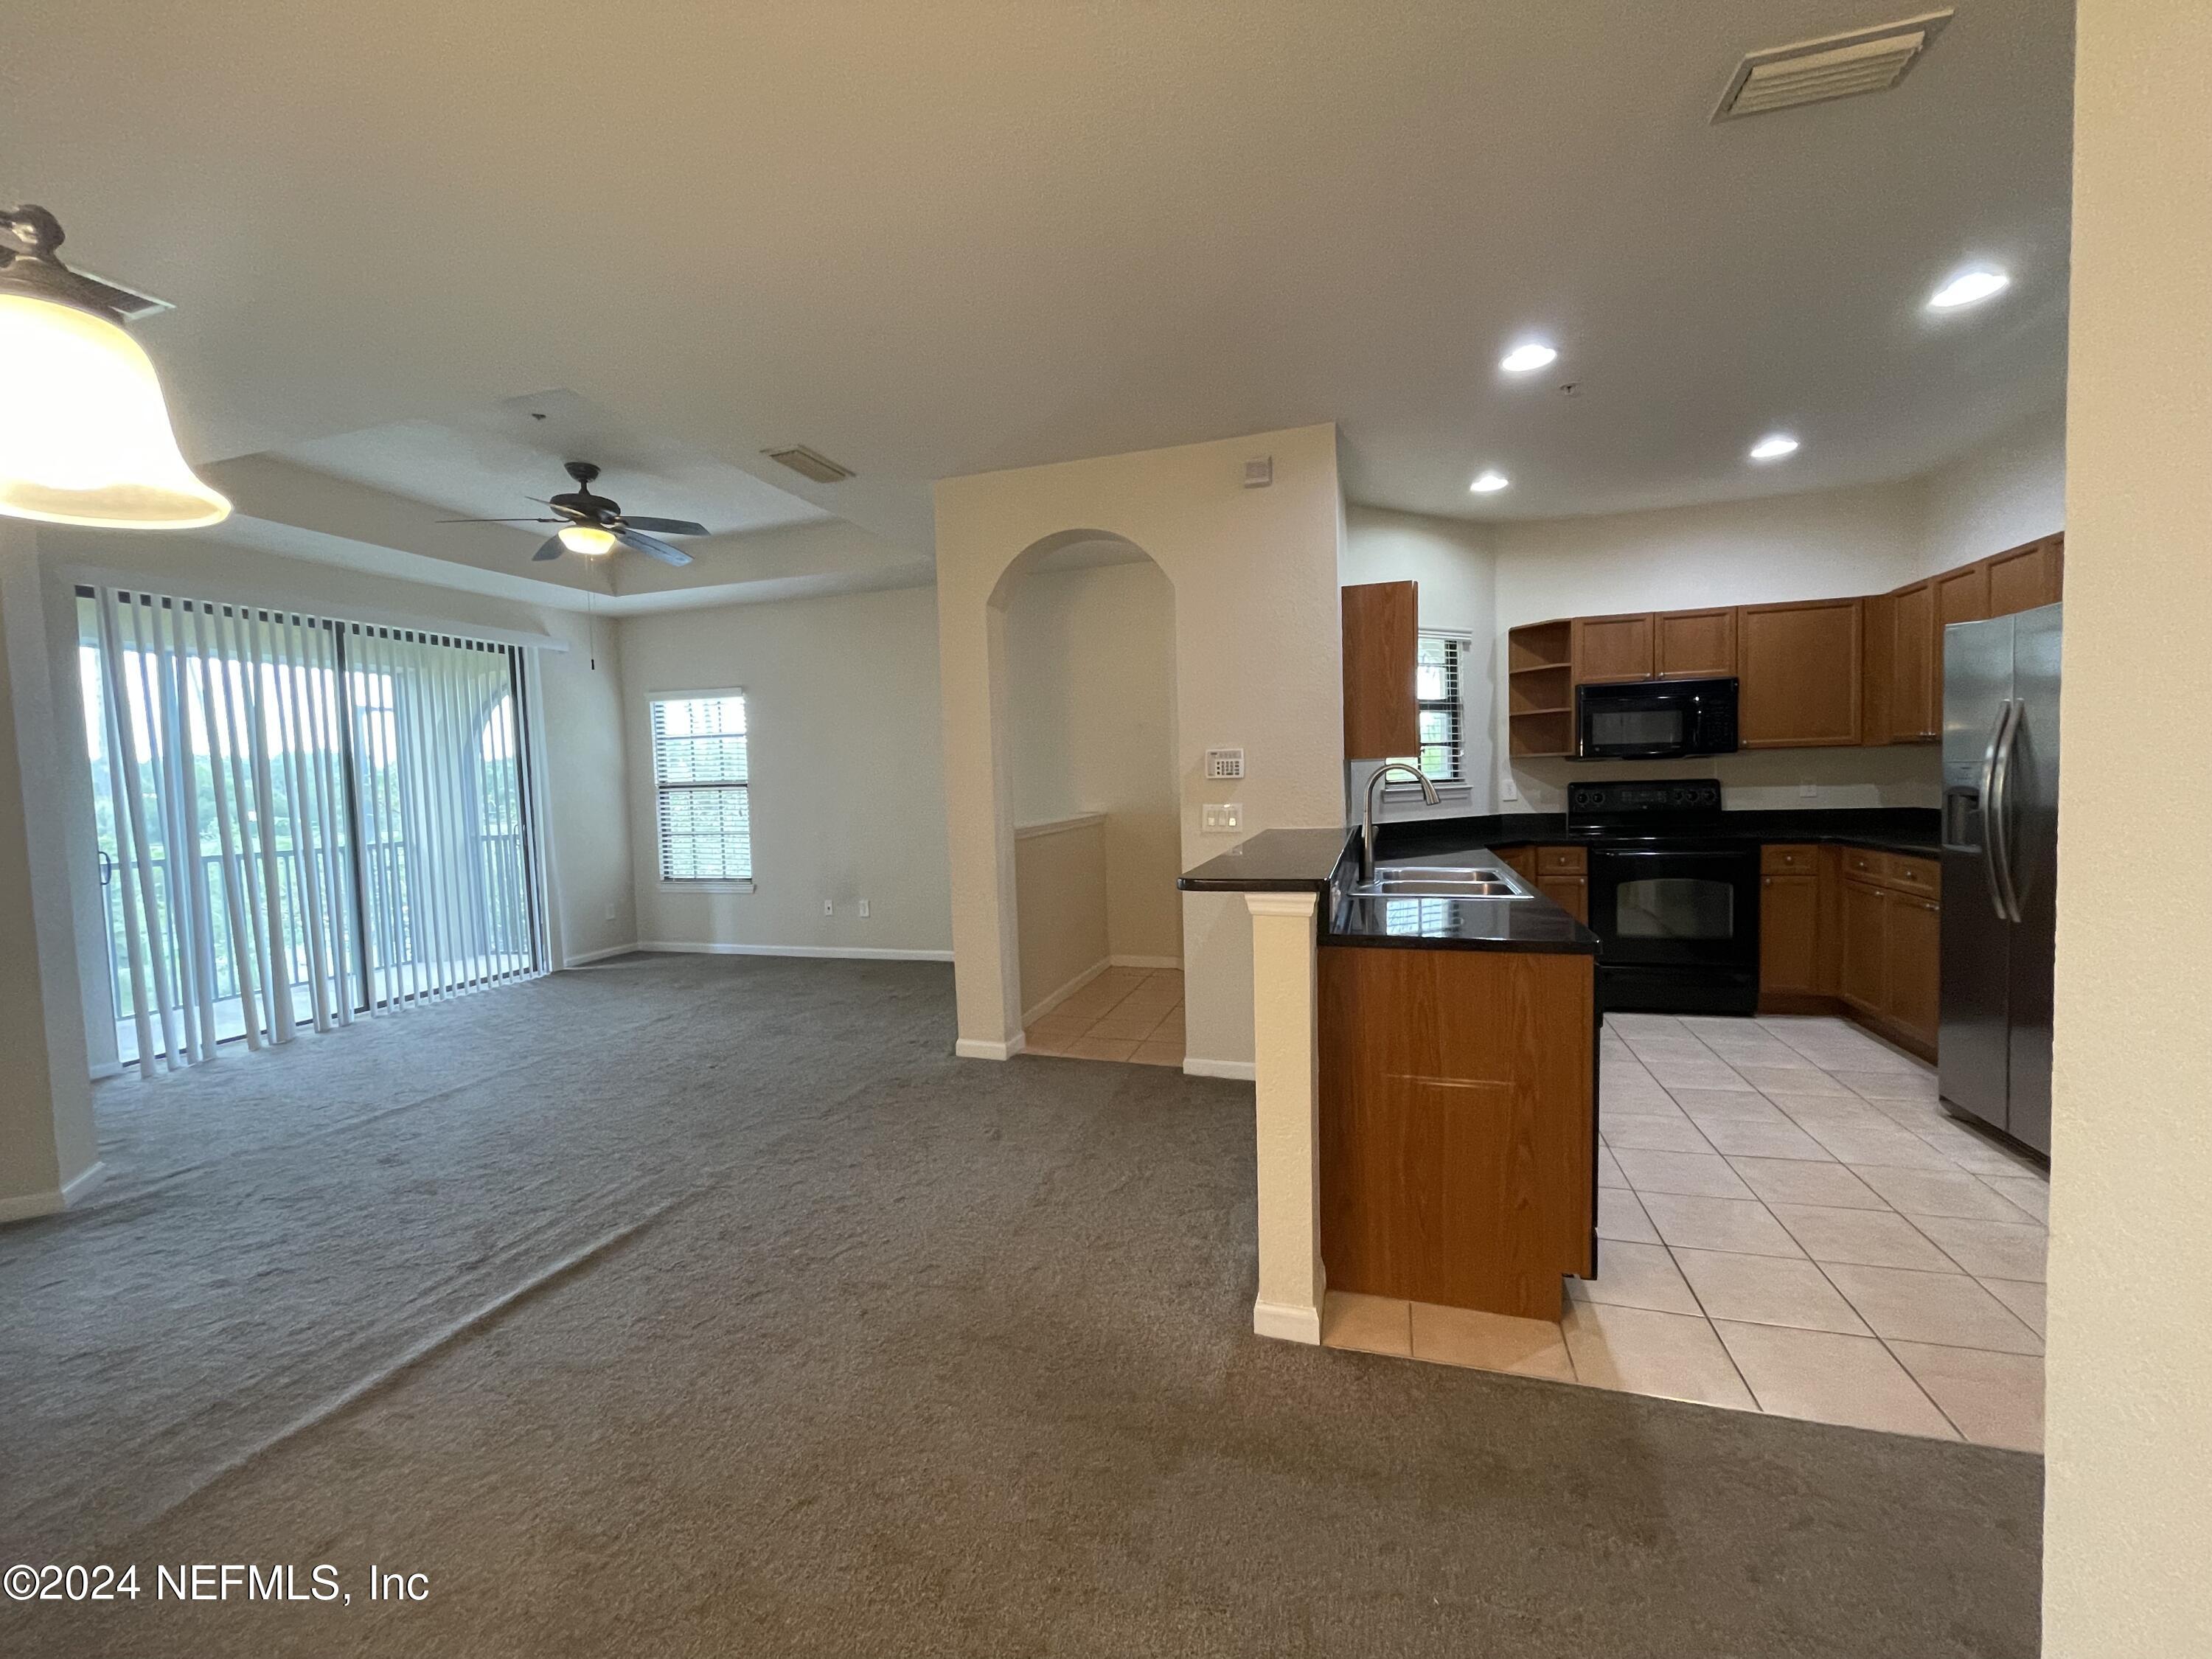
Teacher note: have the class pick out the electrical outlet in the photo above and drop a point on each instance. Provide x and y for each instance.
(864, 910)
(1809, 791)
(1508, 789)
(1224, 818)
(829, 908)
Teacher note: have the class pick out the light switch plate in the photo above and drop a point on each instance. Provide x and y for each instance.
(1224, 818)
(1508, 789)
(864, 910)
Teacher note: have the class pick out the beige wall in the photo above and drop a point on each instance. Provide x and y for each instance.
(1258, 657)
(1060, 882)
(2129, 1467)
(46, 1138)
(847, 796)
(1091, 702)
(586, 827)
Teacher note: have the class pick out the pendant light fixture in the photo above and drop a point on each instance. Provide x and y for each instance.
(84, 433)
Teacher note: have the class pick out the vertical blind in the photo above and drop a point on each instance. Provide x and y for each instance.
(702, 782)
(302, 818)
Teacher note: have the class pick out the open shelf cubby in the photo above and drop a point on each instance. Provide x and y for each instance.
(1551, 732)
(1538, 645)
(1543, 690)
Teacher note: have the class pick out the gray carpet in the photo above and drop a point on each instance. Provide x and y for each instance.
(706, 1305)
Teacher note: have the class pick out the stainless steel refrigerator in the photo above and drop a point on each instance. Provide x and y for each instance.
(2000, 869)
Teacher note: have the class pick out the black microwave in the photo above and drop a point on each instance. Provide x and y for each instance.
(1655, 719)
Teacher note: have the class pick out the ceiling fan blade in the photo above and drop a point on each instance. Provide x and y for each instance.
(651, 547)
(664, 526)
(497, 522)
(551, 550)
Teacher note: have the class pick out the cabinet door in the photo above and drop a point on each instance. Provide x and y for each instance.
(1521, 860)
(1913, 993)
(1790, 933)
(1962, 595)
(1877, 669)
(2025, 578)
(1613, 648)
(1800, 666)
(1915, 664)
(1382, 643)
(1570, 893)
(1693, 644)
(1866, 952)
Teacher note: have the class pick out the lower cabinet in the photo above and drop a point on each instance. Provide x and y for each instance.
(1570, 893)
(1862, 977)
(1458, 1125)
(1790, 934)
(1912, 973)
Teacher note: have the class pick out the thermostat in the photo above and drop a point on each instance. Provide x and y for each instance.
(1223, 764)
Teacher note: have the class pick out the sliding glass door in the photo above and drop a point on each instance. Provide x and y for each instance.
(300, 819)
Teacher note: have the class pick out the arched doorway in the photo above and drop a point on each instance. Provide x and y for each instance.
(1090, 745)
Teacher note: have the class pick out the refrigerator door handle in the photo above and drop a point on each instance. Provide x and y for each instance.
(2000, 832)
(1991, 839)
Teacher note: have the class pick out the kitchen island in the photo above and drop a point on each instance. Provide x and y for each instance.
(1425, 1076)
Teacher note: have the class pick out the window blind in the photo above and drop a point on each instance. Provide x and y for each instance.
(1438, 667)
(701, 779)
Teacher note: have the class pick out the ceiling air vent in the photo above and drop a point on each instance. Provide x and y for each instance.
(1834, 66)
(808, 464)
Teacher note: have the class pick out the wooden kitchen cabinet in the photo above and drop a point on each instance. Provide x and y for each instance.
(1789, 935)
(1861, 979)
(1521, 860)
(1801, 665)
(1694, 644)
(1613, 648)
(1458, 1155)
(2027, 576)
(1962, 595)
(1916, 704)
(1570, 893)
(1381, 645)
(1912, 981)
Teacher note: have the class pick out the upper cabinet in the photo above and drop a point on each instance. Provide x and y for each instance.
(1613, 648)
(1962, 595)
(1693, 645)
(1382, 648)
(1801, 665)
(1905, 632)
(2027, 576)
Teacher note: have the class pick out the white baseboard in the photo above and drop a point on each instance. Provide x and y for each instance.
(1068, 990)
(32, 1205)
(1146, 962)
(854, 952)
(1241, 1070)
(979, 1048)
(598, 956)
(1286, 1322)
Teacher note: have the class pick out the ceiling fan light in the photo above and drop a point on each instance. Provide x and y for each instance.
(587, 538)
(84, 433)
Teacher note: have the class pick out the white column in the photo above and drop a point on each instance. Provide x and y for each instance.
(1286, 1077)
(48, 1154)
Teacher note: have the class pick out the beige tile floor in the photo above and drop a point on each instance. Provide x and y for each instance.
(1125, 1013)
(1788, 1223)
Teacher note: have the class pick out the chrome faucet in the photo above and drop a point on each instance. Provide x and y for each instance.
(1367, 818)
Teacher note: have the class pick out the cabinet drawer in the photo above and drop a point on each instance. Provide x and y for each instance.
(1789, 860)
(1860, 865)
(1562, 860)
(1915, 875)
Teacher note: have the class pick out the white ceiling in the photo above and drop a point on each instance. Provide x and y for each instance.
(493, 462)
(932, 237)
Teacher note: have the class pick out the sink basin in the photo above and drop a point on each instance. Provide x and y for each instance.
(1435, 881)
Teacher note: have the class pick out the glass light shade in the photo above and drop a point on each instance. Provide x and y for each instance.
(84, 435)
(587, 538)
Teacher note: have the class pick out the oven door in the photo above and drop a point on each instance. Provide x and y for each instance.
(1678, 930)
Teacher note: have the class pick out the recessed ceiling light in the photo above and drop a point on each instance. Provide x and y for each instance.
(1528, 356)
(1773, 446)
(1969, 287)
(1490, 482)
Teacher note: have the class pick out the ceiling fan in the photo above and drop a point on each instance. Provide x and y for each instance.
(592, 525)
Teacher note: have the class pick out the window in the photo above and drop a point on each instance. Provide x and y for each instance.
(1438, 667)
(701, 779)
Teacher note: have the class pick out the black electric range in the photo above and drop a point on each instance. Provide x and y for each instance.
(1674, 902)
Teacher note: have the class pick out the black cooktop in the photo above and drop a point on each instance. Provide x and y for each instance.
(1672, 808)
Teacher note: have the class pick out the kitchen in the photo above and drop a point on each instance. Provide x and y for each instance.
(1751, 1140)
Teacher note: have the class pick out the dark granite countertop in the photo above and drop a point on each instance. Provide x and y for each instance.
(1320, 861)
(1316, 861)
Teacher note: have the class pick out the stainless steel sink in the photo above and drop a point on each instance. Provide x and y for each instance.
(1439, 881)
